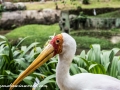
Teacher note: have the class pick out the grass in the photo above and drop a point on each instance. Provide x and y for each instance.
(95, 33)
(41, 33)
(68, 5)
(102, 3)
(37, 6)
(48, 4)
(115, 14)
(86, 41)
(38, 33)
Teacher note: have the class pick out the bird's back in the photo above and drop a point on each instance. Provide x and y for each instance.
(88, 81)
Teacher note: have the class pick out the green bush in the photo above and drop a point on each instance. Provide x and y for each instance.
(85, 1)
(15, 59)
(98, 61)
(1, 8)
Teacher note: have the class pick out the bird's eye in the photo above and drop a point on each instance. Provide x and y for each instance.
(57, 41)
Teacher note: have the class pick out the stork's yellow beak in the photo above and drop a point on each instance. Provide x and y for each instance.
(44, 56)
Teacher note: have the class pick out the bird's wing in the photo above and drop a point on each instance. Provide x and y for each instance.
(88, 81)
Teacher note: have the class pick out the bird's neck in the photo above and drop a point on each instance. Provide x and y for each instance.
(62, 70)
(62, 67)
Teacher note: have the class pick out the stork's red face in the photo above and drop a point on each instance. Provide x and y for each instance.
(57, 42)
(53, 48)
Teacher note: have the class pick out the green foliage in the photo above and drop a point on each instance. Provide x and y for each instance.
(63, 2)
(1, 9)
(114, 14)
(15, 0)
(14, 60)
(82, 17)
(97, 61)
(85, 1)
(0, 16)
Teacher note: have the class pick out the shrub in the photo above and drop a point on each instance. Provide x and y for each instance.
(1, 8)
(98, 61)
(13, 60)
(85, 1)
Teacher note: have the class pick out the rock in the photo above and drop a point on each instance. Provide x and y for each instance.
(50, 16)
(73, 21)
(20, 6)
(8, 6)
(117, 24)
(18, 18)
(115, 39)
(9, 20)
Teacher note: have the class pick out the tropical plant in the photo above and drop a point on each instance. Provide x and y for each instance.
(15, 59)
(97, 61)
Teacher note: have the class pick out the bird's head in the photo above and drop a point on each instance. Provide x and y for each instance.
(60, 44)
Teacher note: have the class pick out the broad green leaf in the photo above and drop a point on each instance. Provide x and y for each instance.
(92, 66)
(113, 52)
(81, 62)
(86, 62)
(52, 62)
(118, 66)
(74, 69)
(21, 63)
(8, 72)
(45, 81)
(28, 80)
(91, 55)
(106, 66)
(28, 48)
(113, 70)
(21, 41)
(118, 77)
(82, 70)
(97, 52)
(42, 84)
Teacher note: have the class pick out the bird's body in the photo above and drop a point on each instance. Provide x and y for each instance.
(82, 81)
(88, 81)
(64, 45)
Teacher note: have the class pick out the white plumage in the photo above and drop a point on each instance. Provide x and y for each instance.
(82, 81)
